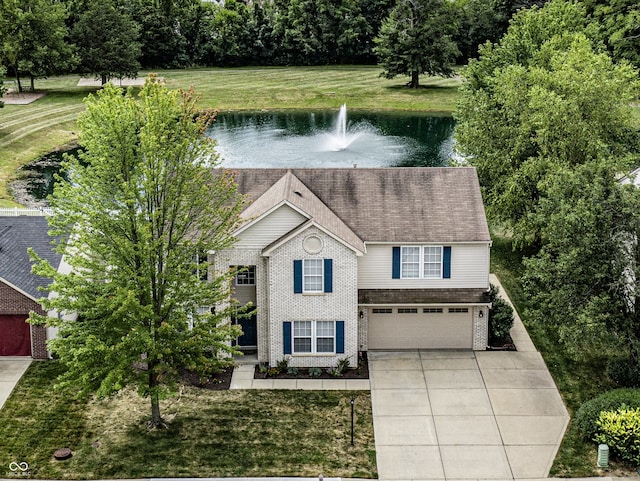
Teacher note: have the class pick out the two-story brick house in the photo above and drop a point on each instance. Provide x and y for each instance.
(340, 261)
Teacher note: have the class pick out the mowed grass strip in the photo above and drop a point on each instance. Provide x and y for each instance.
(29, 131)
(211, 433)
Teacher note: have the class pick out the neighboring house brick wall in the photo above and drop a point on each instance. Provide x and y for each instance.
(14, 302)
(339, 305)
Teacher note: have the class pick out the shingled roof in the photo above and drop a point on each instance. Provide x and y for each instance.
(405, 204)
(17, 234)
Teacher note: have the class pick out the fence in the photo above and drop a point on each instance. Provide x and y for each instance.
(18, 211)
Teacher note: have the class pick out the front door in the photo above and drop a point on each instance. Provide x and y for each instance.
(249, 337)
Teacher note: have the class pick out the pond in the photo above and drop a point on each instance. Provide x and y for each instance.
(334, 138)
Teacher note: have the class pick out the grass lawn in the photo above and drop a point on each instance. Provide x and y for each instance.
(578, 381)
(28, 131)
(211, 433)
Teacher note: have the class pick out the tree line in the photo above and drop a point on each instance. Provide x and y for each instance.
(116, 38)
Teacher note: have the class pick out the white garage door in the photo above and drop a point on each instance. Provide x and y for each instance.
(420, 328)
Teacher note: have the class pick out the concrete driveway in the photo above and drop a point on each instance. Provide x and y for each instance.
(11, 370)
(464, 415)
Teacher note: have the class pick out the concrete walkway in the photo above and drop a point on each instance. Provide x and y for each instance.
(243, 379)
(11, 370)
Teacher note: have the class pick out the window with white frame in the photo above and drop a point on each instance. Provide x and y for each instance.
(312, 275)
(246, 276)
(421, 262)
(314, 337)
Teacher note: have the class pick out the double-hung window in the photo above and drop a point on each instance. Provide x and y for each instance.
(312, 275)
(421, 262)
(314, 337)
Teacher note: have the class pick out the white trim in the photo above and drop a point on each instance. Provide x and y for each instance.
(252, 221)
(301, 228)
(421, 261)
(314, 338)
(16, 288)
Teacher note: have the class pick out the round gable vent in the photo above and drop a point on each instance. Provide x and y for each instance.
(312, 244)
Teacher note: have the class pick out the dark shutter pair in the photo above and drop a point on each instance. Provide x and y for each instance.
(297, 276)
(288, 338)
(446, 263)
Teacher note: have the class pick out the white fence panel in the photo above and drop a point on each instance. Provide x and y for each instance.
(18, 211)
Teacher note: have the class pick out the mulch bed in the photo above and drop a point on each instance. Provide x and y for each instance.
(360, 372)
(216, 382)
(508, 345)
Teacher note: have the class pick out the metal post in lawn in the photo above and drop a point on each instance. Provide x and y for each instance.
(352, 403)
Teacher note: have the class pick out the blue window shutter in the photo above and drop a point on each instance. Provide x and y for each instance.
(396, 263)
(297, 277)
(339, 337)
(446, 262)
(286, 337)
(328, 275)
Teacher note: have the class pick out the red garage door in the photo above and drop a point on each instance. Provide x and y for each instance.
(15, 336)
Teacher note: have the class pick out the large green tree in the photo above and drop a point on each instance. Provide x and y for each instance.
(542, 98)
(107, 40)
(143, 207)
(584, 283)
(417, 38)
(619, 24)
(34, 39)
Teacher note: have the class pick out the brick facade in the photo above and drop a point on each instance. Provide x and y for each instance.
(480, 328)
(13, 302)
(339, 305)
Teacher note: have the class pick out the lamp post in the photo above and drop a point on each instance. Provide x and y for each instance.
(352, 404)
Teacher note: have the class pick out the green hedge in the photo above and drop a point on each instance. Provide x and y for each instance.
(620, 429)
(587, 416)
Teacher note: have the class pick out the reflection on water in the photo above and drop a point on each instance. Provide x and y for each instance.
(295, 139)
(313, 139)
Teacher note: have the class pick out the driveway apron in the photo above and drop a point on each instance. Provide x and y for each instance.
(464, 415)
(11, 370)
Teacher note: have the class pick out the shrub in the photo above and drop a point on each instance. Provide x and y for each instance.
(292, 371)
(500, 318)
(273, 371)
(283, 365)
(623, 372)
(315, 372)
(620, 429)
(587, 416)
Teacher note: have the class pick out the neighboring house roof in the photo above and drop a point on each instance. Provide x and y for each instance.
(404, 204)
(17, 234)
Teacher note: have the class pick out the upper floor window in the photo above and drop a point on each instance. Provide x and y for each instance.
(421, 262)
(246, 276)
(312, 276)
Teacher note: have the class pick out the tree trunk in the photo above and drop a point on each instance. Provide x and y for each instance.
(17, 72)
(415, 83)
(156, 420)
(104, 78)
(33, 87)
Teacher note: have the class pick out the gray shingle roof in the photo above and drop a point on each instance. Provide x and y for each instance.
(405, 204)
(17, 234)
(422, 296)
